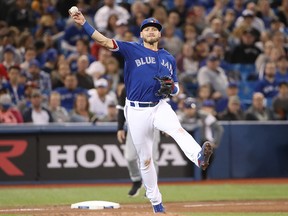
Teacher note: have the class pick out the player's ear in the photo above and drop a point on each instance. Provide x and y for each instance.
(141, 35)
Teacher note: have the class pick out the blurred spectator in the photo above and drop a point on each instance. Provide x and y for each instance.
(59, 113)
(69, 91)
(13, 87)
(174, 19)
(46, 24)
(121, 29)
(84, 80)
(97, 68)
(103, 13)
(268, 86)
(161, 14)
(282, 68)
(204, 93)
(187, 67)
(186, 62)
(265, 12)
(112, 113)
(80, 112)
(170, 41)
(275, 25)
(213, 75)
(190, 34)
(217, 10)
(218, 50)
(233, 112)
(37, 113)
(249, 20)
(100, 99)
(111, 26)
(9, 113)
(231, 90)
(180, 6)
(41, 78)
(21, 15)
(26, 102)
(82, 48)
(201, 49)
(40, 48)
(274, 55)
(3, 75)
(8, 56)
(196, 16)
(58, 76)
(112, 72)
(230, 18)
(280, 102)
(264, 56)
(215, 28)
(51, 58)
(30, 53)
(280, 42)
(72, 33)
(282, 13)
(258, 111)
(246, 52)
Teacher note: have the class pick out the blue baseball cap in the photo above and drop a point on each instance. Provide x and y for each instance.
(151, 22)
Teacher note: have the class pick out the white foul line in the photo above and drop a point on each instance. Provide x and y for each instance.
(22, 210)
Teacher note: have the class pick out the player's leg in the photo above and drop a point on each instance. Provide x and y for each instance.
(141, 127)
(156, 142)
(167, 121)
(132, 165)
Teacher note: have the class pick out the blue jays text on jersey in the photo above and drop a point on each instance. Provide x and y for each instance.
(141, 66)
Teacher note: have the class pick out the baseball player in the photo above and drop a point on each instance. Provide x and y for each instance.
(130, 151)
(149, 77)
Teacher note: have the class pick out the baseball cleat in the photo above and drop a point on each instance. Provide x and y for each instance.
(159, 208)
(205, 154)
(136, 187)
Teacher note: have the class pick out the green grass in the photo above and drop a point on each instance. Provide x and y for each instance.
(10, 197)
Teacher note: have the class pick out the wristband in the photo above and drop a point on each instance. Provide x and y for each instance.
(88, 28)
(175, 90)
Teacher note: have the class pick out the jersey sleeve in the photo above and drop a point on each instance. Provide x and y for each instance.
(122, 47)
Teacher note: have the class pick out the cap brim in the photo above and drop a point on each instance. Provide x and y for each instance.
(158, 26)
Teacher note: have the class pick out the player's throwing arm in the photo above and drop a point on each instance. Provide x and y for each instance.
(97, 36)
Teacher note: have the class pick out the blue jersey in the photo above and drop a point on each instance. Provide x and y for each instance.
(68, 96)
(268, 89)
(141, 66)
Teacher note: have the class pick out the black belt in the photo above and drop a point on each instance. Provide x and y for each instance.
(150, 104)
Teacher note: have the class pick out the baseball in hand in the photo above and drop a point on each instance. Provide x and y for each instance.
(73, 10)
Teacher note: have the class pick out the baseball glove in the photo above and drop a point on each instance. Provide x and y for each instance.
(166, 86)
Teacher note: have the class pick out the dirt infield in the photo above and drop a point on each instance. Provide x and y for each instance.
(173, 209)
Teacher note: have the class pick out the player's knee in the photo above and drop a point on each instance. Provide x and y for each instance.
(145, 164)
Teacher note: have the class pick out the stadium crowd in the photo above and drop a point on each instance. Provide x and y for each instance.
(231, 56)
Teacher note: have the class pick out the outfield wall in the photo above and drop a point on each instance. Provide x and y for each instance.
(74, 152)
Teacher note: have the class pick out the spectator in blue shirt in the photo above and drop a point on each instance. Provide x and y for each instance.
(282, 69)
(69, 91)
(268, 86)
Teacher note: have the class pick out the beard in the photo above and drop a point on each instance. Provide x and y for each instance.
(151, 41)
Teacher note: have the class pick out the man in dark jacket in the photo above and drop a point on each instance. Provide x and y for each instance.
(37, 114)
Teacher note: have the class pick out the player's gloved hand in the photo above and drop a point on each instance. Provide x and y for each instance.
(166, 86)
